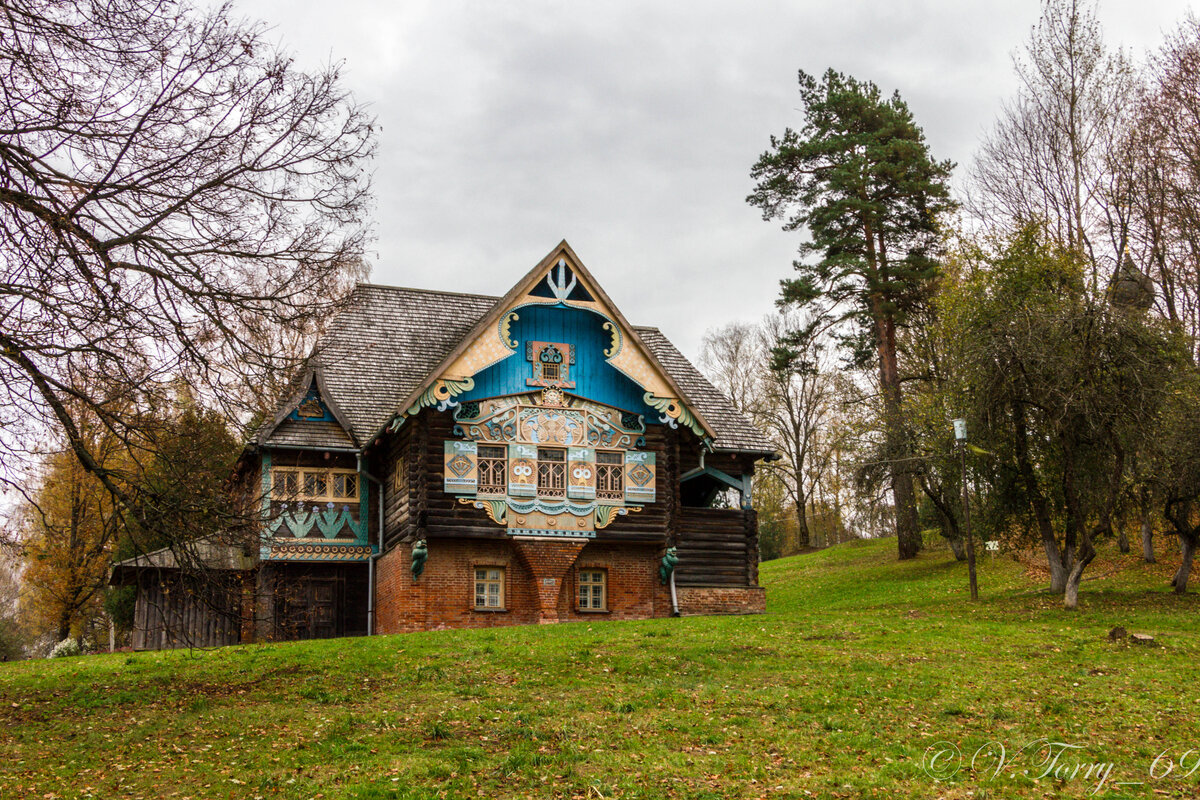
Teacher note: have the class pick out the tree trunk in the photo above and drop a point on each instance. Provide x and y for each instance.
(1037, 500)
(1071, 593)
(908, 533)
(1147, 535)
(803, 539)
(1187, 544)
(1122, 539)
(958, 547)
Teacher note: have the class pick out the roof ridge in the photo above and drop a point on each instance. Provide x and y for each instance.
(369, 285)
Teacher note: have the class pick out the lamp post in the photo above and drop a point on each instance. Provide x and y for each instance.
(960, 436)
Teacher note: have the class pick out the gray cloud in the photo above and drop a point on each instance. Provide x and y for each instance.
(629, 128)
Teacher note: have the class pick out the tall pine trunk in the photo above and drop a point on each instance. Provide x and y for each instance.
(908, 534)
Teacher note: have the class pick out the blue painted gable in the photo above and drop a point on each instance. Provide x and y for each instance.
(594, 378)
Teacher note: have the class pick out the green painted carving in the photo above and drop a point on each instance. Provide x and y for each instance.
(669, 561)
(441, 394)
(364, 508)
(266, 485)
(299, 523)
(330, 522)
(505, 336)
(615, 331)
(420, 554)
(674, 412)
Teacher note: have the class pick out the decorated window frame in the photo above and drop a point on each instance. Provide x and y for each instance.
(492, 466)
(552, 471)
(610, 475)
(551, 363)
(315, 484)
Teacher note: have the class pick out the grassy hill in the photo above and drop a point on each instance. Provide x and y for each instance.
(860, 665)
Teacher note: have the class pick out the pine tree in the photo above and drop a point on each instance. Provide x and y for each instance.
(859, 179)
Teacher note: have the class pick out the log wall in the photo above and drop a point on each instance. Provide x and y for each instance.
(176, 611)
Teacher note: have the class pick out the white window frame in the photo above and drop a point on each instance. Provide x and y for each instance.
(584, 577)
(488, 581)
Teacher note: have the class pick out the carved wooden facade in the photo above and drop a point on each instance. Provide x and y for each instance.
(458, 460)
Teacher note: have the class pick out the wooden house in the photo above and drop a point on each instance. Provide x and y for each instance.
(457, 460)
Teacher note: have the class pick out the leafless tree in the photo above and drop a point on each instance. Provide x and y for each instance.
(173, 193)
(789, 402)
(1054, 153)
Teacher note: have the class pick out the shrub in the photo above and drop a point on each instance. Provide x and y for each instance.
(66, 648)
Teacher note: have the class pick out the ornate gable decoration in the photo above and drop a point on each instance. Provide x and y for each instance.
(542, 464)
(552, 364)
(559, 280)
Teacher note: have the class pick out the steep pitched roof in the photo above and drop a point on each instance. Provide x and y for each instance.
(735, 432)
(388, 340)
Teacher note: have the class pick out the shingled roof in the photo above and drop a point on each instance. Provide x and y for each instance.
(387, 340)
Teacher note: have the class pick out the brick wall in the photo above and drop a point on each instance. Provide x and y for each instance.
(541, 584)
(721, 600)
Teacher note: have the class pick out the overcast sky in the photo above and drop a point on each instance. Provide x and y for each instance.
(629, 128)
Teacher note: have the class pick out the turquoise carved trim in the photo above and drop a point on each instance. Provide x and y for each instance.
(551, 534)
(362, 529)
(330, 521)
(552, 507)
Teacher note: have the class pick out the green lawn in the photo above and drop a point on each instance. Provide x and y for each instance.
(860, 665)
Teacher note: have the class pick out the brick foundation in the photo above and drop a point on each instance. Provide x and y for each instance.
(540, 585)
(721, 600)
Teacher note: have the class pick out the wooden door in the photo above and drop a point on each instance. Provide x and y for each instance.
(323, 609)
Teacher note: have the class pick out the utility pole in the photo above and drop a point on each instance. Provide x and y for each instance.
(960, 436)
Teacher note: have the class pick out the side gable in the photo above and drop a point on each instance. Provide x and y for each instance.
(311, 418)
(559, 280)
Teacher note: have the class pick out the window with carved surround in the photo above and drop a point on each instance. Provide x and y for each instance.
(593, 589)
(492, 463)
(300, 483)
(489, 587)
(610, 475)
(552, 472)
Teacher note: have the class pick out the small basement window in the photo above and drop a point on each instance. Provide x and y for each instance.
(489, 587)
(593, 590)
